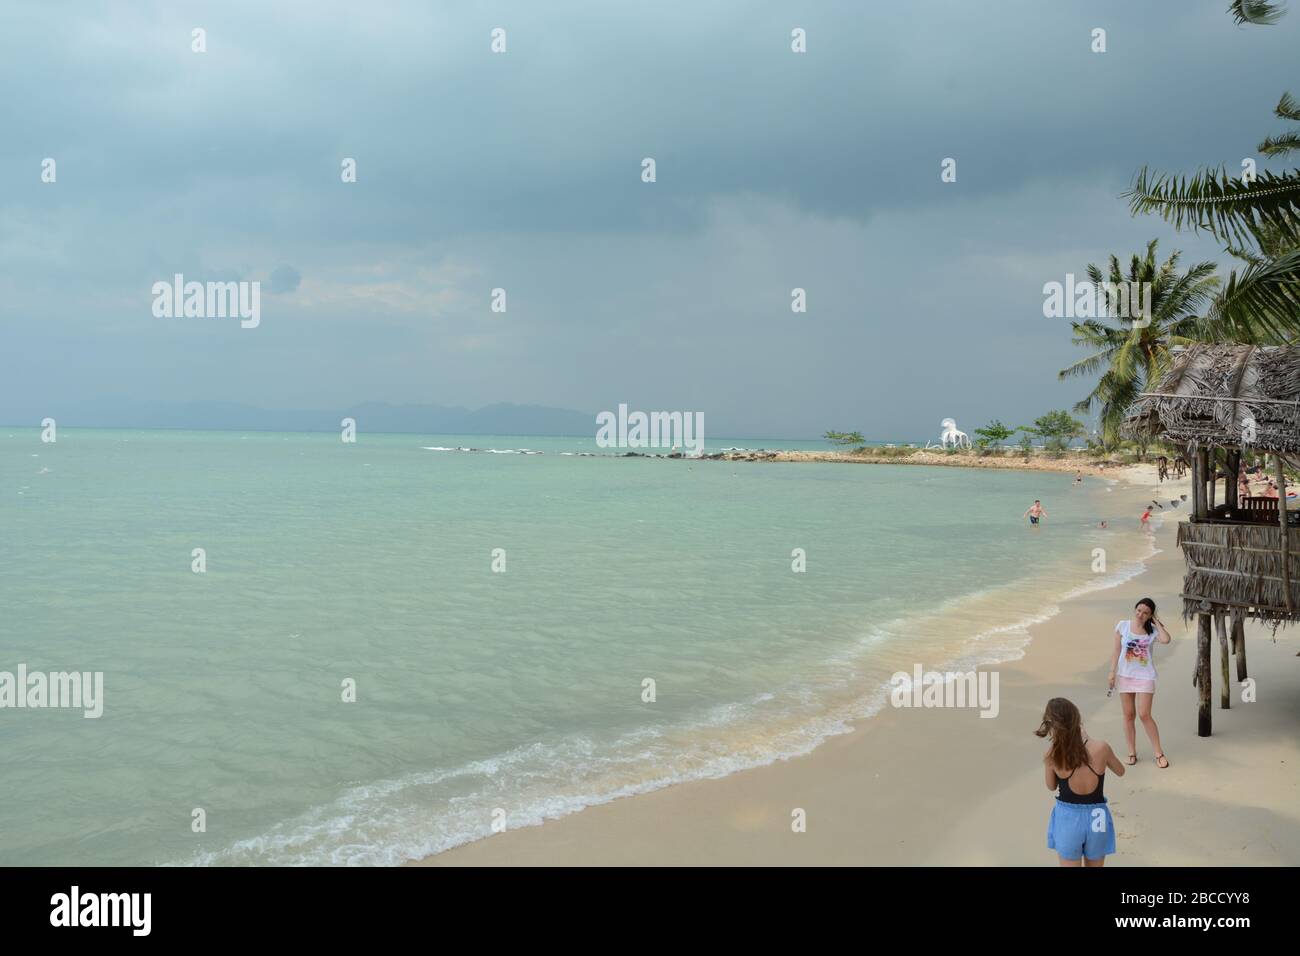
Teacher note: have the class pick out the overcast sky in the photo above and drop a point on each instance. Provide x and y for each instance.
(522, 170)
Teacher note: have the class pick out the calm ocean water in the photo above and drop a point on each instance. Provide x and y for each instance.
(517, 694)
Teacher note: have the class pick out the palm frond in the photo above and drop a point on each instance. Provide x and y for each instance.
(1226, 207)
(1288, 108)
(1257, 12)
(1094, 334)
(1261, 305)
(1179, 296)
(1281, 144)
(1084, 366)
(1249, 256)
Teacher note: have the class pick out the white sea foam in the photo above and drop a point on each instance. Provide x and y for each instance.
(488, 451)
(534, 782)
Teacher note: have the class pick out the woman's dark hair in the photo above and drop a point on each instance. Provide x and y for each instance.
(1062, 723)
(1151, 627)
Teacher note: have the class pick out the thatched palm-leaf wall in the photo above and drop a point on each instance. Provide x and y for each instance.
(1239, 565)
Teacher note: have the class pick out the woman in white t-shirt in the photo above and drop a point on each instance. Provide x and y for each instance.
(1133, 674)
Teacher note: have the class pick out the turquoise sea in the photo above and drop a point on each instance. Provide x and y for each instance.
(481, 694)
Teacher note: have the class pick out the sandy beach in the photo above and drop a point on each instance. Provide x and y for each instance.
(1006, 459)
(947, 787)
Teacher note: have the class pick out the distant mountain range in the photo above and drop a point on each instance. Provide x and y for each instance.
(500, 419)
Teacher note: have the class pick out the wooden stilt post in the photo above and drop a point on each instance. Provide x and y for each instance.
(1210, 480)
(1239, 643)
(1203, 674)
(1230, 486)
(1286, 543)
(1198, 483)
(1225, 686)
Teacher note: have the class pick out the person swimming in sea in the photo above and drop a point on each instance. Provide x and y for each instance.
(1035, 511)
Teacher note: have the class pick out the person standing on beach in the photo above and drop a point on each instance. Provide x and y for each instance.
(1145, 520)
(1133, 674)
(1080, 829)
(1035, 511)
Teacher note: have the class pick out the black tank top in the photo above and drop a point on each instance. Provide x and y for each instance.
(1066, 795)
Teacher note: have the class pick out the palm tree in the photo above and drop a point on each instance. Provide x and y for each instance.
(1257, 220)
(1135, 354)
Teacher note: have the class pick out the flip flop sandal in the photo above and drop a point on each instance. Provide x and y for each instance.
(1132, 760)
(1160, 757)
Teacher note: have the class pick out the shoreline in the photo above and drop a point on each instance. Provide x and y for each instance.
(743, 817)
(923, 456)
(963, 655)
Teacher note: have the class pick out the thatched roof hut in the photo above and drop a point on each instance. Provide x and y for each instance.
(1213, 393)
(1243, 555)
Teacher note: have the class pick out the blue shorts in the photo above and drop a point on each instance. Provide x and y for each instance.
(1033, 519)
(1081, 830)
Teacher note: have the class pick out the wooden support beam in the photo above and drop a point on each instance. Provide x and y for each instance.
(1231, 464)
(1225, 687)
(1295, 548)
(1203, 713)
(1210, 478)
(1281, 514)
(1249, 605)
(1198, 484)
(1193, 566)
(1230, 486)
(1239, 643)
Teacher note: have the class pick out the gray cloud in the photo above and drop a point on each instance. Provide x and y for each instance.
(521, 171)
(285, 279)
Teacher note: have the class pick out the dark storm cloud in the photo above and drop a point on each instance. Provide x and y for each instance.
(521, 171)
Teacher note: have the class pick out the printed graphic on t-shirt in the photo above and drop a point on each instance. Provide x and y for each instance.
(1138, 651)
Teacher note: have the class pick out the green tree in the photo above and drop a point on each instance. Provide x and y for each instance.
(845, 438)
(1026, 444)
(1057, 429)
(1132, 353)
(994, 434)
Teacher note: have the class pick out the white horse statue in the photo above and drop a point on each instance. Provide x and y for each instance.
(952, 438)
